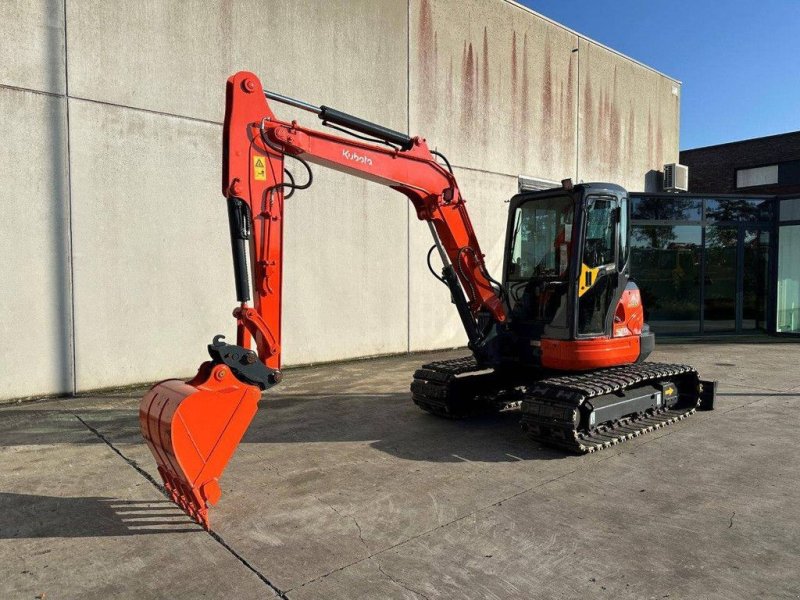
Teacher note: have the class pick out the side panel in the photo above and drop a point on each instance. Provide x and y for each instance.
(581, 355)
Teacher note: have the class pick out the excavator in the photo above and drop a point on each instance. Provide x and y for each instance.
(561, 339)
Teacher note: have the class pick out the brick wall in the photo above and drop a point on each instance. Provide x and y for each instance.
(713, 169)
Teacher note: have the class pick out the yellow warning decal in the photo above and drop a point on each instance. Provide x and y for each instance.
(259, 168)
(586, 279)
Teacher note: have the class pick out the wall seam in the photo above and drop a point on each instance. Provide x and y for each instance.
(578, 113)
(17, 88)
(408, 204)
(70, 251)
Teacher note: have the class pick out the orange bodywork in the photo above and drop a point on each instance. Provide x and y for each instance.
(585, 355)
(193, 428)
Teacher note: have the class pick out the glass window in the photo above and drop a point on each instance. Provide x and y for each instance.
(790, 209)
(598, 250)
(665, 264)
(720, 280)
(756, 176)
(789, 279)
(601, 223)
(542, 239)
(623, 233)
(738, 209)
(755, 277)
(661, 208)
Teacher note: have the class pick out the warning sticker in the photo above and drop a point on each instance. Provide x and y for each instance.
(259, 168)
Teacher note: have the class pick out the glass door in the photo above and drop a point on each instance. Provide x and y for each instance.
(788, 304)
(721, 279)
(755, 279)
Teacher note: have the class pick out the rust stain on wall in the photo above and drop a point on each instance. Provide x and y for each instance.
(450, 85)
(514, 83)
(599, 133)
(659, 153)
(545, 141)
(514, 87)
(485, 84)
(567, 138)
(426, 58)
(614, 127)
(631, 135)
(588, 120)
(562, 120)
(650, 149)
(485, 62)
(525, 104)
(468, 88)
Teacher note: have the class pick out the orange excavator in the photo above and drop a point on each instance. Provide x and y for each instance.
(562, 338)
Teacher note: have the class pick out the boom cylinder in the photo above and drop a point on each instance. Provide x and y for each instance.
(337, 117)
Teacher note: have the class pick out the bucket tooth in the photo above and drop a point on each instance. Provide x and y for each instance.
(192, 429)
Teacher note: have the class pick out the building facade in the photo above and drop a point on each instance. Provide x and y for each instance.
(766, 165)
(711, 264)
(116, 266)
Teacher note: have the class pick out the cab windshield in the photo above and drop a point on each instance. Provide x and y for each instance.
(542, 239)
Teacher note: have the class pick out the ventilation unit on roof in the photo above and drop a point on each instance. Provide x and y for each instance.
(676, 178)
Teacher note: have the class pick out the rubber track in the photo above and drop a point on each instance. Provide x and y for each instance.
(549, 406)
(446, 389)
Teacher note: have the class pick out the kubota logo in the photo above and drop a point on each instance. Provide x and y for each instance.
(364, 160)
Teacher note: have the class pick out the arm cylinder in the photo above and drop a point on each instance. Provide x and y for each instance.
(239, 221)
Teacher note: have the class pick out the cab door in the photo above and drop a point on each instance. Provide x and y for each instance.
(598, 274)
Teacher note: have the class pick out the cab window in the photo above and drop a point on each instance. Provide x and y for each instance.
(542, 239)
(598, 249)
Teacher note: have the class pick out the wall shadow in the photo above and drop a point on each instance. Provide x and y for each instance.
(389, 422)
(35, 516)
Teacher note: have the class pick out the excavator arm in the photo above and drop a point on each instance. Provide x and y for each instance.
(255, 148)
(193, 428)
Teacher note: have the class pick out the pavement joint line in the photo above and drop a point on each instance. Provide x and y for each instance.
(398, 581)
(214, 535)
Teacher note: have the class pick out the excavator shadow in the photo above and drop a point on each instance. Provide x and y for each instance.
(35, 516)
(394, 426)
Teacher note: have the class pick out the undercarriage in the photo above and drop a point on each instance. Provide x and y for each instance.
(578, 412)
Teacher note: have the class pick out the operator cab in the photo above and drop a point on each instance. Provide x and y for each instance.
(566, 261)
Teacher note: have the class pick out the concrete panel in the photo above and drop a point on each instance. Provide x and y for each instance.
(32, 44)
(433, 319)
(346, 270)
(153, 276)
(351, 55)
(629, 120)
(493, 86)
(35, 303)
(152, 269)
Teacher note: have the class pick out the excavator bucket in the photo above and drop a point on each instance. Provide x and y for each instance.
(193, 428)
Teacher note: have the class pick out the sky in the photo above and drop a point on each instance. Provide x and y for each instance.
(738, 60)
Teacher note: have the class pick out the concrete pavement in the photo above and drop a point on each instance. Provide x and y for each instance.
(343, 489)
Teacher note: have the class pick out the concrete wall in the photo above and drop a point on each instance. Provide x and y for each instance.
(116, 266)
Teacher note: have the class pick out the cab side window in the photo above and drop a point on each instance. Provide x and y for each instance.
(598, 250)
